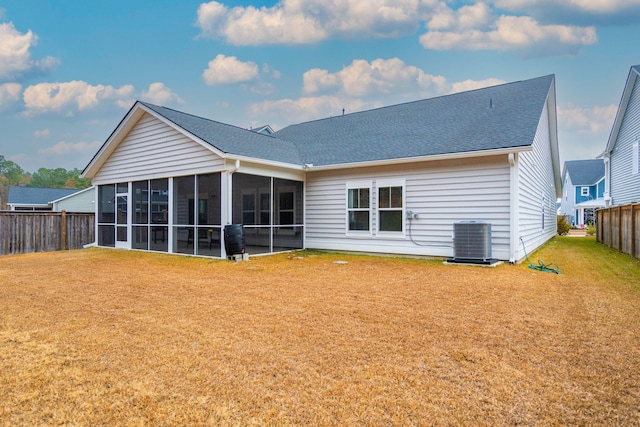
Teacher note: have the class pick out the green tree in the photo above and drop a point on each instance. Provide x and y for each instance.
(58, 178)
(10, 174)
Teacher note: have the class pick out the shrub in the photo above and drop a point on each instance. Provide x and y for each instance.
(591, 229)
(563, 225)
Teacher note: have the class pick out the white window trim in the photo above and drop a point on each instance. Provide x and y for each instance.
(350, 185)
(635, 158)
(391, 183)
(584, 193)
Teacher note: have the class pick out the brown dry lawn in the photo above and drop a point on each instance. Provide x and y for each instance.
(103, 337)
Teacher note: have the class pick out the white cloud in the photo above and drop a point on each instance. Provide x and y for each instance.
(42, 133)
(587, 120)
(357, 87)
(311, 21)
(228, 69)
(384, 76)
(15, 57)
(362, 78)
(307, 108)
(9, 93)
(590, 6)
(519, 33)
(467, 17)
(466, 85)
(160, 94)
(583, 132)
(64, 148)
(69, 97)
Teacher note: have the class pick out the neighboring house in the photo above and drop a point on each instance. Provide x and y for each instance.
(582, 190)
(36, 199)
(389, 180)
(622, 154)
(80, 201)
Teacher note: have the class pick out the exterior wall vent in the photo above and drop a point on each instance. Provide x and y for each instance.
(472, 242)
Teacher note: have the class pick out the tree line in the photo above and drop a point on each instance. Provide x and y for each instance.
(12, 174)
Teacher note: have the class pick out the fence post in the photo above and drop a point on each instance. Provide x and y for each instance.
(633, 232)
(620, 228)
(63, 229)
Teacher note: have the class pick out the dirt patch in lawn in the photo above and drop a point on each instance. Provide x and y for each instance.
(127, 338)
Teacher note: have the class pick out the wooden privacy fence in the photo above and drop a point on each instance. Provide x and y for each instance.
(23, 232)
(619, 228)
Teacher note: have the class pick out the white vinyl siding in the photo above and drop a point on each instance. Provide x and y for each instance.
(635, 158)
(83, 201)
(537, 192)
(154, 149)
(439, 192)
(625, 184)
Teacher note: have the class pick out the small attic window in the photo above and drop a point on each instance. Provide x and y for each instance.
(264, 130)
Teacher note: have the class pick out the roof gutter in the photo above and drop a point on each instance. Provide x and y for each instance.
(404, 160)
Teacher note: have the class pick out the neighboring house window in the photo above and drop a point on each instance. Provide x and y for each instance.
(390, 206)
(635, 158)
(585, 191)
(358, 207)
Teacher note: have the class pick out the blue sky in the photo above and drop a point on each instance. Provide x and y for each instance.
(70, 70)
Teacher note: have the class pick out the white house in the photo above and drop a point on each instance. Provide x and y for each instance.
(80, 201)
(51, 199)
(389, 180)
(583, 186)
(622, 154)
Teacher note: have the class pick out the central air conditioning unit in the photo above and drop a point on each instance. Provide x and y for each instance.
(472, 242)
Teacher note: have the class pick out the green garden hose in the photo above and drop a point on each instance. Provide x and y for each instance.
(547, 268)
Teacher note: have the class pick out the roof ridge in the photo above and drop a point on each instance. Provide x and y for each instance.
(465, 92)
(154, 106)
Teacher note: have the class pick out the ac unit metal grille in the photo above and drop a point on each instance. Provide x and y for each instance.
(472, 241)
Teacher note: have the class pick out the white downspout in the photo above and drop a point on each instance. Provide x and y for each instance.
(514, 205)
(230, 191)
(228, 209)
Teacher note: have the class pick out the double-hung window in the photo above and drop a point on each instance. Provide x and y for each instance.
(391, 206)
(359, 207)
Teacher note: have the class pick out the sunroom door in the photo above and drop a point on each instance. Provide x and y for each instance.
(122, 217)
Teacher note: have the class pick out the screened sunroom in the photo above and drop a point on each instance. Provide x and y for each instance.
(187, 214)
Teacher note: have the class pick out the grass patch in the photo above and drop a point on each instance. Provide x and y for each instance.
(131, 338)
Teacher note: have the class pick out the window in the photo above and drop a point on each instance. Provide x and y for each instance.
(635, 158)
(248, 208)
(286, 198)
(584, 191)
(358, 207)
(390, 207)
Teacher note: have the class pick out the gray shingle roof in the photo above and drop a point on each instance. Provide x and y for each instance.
(503, 116)
(584, 172)
(231, 139)
(36, 196)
